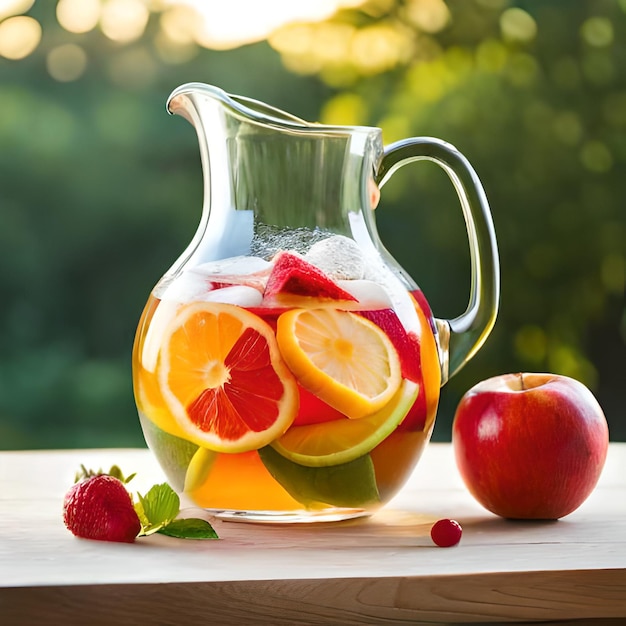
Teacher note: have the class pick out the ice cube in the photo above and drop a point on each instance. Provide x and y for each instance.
(241, 295)
(243, 265)
(241, 270)
(396, 291)
(339, 257)
(186, 287)
(370, 294)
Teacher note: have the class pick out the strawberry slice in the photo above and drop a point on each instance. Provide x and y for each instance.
(313, 410)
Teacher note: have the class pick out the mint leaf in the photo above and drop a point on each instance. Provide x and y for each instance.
(157, 508)
(191, 528)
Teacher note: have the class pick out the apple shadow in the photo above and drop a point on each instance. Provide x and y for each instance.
(489, 524)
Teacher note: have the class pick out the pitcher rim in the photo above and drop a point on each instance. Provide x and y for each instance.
(264, 113)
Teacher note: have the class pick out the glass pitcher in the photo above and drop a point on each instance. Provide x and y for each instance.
(286, 368)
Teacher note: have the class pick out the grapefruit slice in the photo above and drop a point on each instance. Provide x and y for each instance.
(223, 379)
(341, 441)
(343, 358)
(406, 347)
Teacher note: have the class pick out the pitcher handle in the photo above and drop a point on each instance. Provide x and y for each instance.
(459, 338)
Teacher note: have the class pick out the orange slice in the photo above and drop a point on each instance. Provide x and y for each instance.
(223, 379)
(343, 358)
(422, 415)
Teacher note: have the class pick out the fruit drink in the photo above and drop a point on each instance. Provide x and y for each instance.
(285, 387)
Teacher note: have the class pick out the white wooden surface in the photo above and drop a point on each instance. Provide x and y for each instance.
(381, 570)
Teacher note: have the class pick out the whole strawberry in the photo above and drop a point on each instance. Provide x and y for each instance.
(99, 507)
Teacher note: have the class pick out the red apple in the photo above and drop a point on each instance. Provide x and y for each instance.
(530, 446)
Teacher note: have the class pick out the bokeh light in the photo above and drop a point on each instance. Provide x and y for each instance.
(517, 25)
(124, 20)
(133, 68)
(430, 16)
(19, 37)
(8, 8)
(179, 24)
(596, 156)
(78, 16)
(613, 273)
(66, 62)
(597, 32)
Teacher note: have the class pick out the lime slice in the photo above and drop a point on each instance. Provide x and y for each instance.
(173, 453)
(343, 440)
(351, 484)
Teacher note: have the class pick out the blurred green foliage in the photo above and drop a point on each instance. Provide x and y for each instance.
(100, 191)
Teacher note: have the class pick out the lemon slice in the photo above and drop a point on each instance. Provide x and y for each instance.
(341, 357)
(343, 440)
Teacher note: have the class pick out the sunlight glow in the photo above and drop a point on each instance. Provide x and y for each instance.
(214, 24)
(227, 25)
(19, 36)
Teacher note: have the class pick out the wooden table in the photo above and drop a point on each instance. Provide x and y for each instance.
(381, 570)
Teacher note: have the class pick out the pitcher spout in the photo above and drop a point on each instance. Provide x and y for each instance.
(188, 96)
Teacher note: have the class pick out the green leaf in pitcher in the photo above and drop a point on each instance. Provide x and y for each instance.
(351, 484)
(174, 453)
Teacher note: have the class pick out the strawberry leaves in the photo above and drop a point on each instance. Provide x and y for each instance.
(115, 471)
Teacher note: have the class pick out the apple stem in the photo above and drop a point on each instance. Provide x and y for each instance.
(521, 381)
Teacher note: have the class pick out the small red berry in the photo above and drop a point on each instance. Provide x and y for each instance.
(446, 533)
(101, 508)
